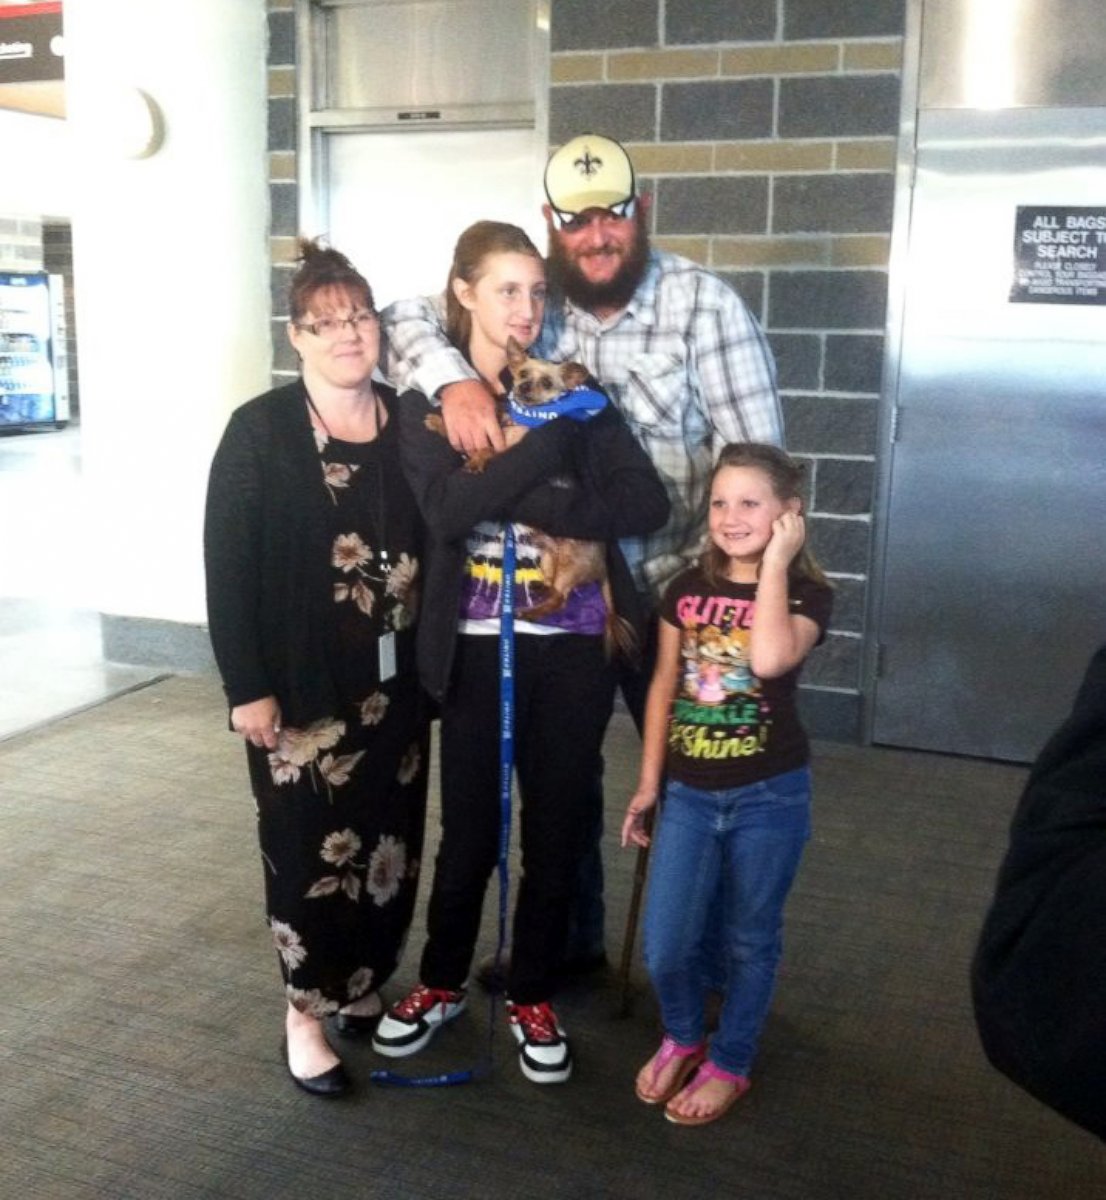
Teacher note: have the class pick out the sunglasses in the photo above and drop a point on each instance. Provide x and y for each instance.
(574, 222)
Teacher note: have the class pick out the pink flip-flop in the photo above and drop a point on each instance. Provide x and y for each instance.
(690, 1056)
(706, 1072)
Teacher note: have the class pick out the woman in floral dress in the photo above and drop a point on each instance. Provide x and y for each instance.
(312, 543)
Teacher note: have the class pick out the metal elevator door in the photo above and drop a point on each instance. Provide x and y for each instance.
(416, 118)
(992, 579)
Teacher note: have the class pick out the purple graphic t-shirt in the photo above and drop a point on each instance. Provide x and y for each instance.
(481, 592)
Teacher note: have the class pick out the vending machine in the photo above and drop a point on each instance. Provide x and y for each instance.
(34, 379)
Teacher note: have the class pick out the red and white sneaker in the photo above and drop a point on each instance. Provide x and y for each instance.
(411, 1022)
(543, 1053)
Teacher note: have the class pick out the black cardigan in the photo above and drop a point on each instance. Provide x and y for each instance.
(269, 592)
(615, 492)
(1039, 974)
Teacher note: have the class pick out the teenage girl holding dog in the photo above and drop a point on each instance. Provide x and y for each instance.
(721, 726)
(569, 479)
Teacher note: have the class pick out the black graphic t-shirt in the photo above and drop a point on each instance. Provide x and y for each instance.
(728, 728)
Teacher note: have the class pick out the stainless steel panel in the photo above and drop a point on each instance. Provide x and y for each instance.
(1013, 54)
(472, 76)
(994, 571)
(417, 56)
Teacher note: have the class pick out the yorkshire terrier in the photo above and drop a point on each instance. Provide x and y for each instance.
(535, 381)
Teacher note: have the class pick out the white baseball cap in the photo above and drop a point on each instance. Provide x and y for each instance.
(590, 171)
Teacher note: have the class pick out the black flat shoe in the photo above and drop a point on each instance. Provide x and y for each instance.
(355, 1025)
(334, 1082)
(349, 1025)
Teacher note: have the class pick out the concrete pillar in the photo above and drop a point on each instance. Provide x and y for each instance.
(36, 178)
(171, 264)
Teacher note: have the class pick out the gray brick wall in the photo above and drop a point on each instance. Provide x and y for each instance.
(711, 204)
(624, 111)
(584, 24)
(843, 18)
(852, 203)
(724, 110)
(700, 22)
(766, 130)
(825, 300)
(283, 196)
(839, 106)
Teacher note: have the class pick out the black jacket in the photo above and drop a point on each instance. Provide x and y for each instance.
(266, 553)
(616, 492)
(1039, 973)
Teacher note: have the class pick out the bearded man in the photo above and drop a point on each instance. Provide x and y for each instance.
(675, 347)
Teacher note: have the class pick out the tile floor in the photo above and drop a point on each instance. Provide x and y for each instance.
(51, 661)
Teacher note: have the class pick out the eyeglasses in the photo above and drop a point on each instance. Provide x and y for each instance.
(330, 328)
(574, 222)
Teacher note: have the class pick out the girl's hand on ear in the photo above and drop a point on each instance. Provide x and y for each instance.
(788, 535)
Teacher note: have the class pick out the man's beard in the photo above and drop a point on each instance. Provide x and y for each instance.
(617, 292)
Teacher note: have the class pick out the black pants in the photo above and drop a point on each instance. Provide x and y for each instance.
(564, 691)
(587, 916)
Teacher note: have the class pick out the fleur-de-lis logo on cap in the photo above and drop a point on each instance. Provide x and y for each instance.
(588, 164)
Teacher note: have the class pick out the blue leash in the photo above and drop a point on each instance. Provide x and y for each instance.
(506, 728)
(506, 769)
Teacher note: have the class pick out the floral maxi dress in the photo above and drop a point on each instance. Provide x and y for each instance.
(341, 803)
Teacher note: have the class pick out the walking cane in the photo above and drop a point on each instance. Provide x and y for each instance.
(641, 868)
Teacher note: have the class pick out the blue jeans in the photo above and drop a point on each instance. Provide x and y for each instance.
(734, 852)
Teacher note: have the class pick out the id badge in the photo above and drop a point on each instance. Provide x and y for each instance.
(386, 648)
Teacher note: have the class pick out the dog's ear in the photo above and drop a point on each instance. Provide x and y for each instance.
(573, 374)
(516, 355)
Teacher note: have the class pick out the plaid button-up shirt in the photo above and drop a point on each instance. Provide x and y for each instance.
(686, 363)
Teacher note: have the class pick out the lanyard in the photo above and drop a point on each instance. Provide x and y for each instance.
(506, 770)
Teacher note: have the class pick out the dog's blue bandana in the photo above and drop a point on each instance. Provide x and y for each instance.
(581, 404)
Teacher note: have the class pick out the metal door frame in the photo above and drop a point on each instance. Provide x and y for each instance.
(892, 357)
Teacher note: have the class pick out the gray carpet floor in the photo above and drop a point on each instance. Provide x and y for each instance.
(141, 1013)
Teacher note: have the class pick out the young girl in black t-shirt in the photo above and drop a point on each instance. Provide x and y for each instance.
(721, 726)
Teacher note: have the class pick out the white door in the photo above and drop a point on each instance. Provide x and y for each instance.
(395, 203)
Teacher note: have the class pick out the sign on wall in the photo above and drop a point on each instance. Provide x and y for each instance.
(1059, 255)
(31, 48)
